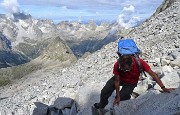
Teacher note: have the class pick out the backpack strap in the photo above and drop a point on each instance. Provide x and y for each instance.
(140, 66)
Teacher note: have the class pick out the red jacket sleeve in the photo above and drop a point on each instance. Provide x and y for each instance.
(145, 66)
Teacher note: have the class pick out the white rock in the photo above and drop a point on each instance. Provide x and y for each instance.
(141, 87)
(167, 69)
(164, 62)
(170, 80)
(176, 62)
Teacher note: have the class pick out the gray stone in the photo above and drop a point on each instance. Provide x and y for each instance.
(164, 62)
(176, 62)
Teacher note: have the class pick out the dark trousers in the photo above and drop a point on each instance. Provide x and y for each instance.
(125, 92)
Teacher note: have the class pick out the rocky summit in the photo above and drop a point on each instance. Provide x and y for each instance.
(158, 38)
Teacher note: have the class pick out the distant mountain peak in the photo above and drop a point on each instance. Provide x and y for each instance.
(22, 16)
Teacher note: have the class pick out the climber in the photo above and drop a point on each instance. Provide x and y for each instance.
(126, 74)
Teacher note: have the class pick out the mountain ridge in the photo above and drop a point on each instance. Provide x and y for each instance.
(27, 32)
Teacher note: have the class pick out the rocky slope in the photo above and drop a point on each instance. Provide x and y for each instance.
(84, 79)
(56, 54)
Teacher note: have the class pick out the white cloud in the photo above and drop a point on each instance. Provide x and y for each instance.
(97, 13)
(11, 6)
(127, 18)
(129, 8)
(64, 7)
(79, 19)
(134, 21)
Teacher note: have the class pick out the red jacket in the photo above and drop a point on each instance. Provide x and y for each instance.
(132, 76)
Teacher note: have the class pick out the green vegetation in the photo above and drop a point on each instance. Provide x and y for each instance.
(14, 73)
(31, 50)
(4, 81)
(20, 71)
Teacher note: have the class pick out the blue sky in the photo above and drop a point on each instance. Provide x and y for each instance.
(82, 10)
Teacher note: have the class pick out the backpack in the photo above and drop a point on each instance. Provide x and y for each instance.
(129, 47)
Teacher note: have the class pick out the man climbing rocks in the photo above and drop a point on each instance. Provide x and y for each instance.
(126, 74)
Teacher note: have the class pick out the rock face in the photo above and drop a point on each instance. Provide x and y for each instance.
(9, 57)
(24, 27)
(25, 33)
(22, 16)
(84, 80)
(57, 50)
(5, 44)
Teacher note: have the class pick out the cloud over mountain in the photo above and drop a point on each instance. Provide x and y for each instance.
(11, 6)
(128, 18)
(74, 10)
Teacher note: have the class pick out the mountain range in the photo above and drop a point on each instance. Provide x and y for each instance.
(30, 36)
